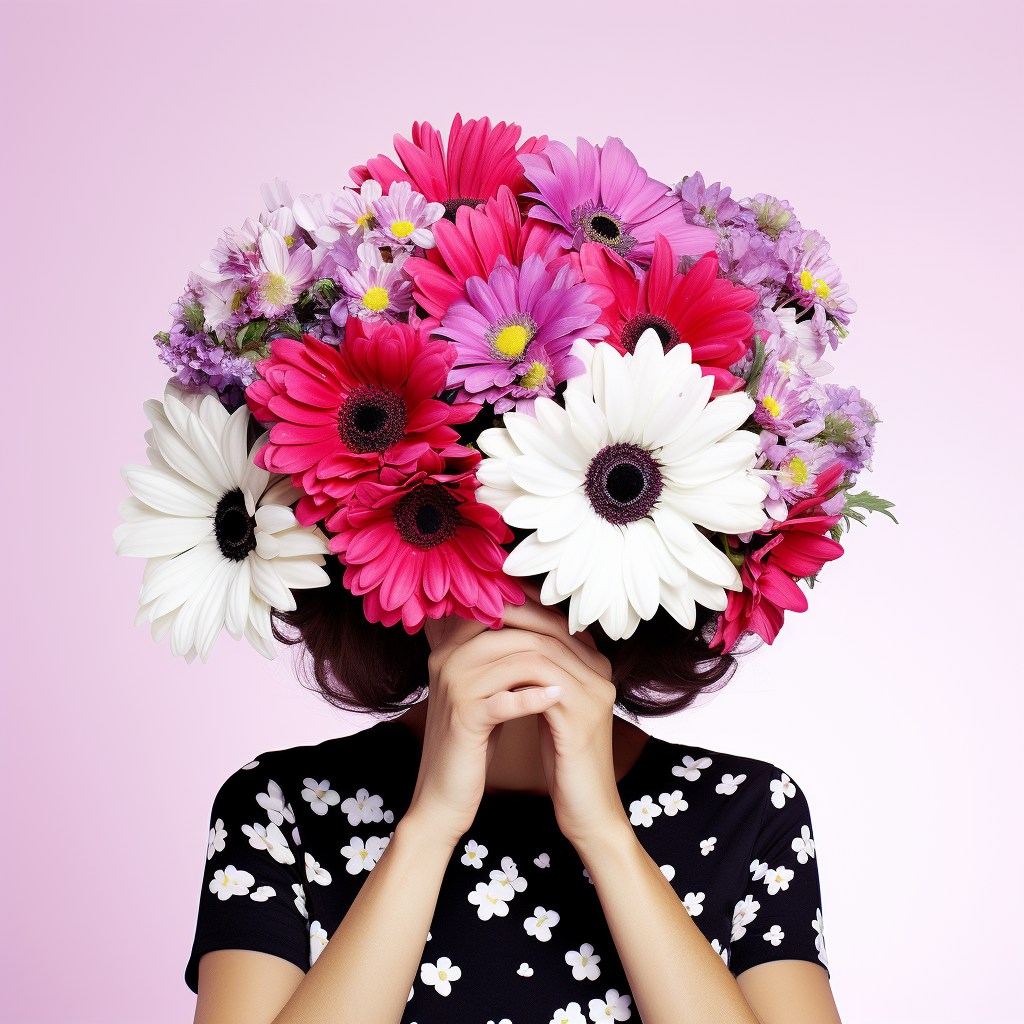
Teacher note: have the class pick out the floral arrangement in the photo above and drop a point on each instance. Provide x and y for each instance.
(498, 359)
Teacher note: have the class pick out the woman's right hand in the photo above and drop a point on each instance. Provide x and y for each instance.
(479, 678)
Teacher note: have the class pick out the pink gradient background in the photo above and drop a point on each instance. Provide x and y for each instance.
(136, 132)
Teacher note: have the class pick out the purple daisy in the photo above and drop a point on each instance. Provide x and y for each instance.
(513, 332)
(706, 205)
(404, 218)
(817, 281)
(788, 403)
(793, 474)
(603, 195)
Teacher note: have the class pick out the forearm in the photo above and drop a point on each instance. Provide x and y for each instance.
(366, 970)
(675, 976)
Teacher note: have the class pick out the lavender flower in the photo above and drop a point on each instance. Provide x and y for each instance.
(848, 430)
(788, 403)
(198, 361)
(706, 205)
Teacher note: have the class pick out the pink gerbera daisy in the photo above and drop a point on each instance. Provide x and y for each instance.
(421, 546)
(500, 329)
(344, 413)
(479, 160)
(603, 195)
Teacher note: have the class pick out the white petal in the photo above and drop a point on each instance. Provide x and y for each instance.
(707, 594)
(542, 477)
(301, 541)
(259, 617)
(692, 548)
(210, 619)
(532, 556)
(266, 545)
(167, 535)
(555, 421)
(168, 491)
(605, 578)
(615, 618)
(273, 518)
(639, 572)
(498, 443)
(722, 416)
(711, 464)
(300, 573)
(679, 604)
(237, 612)
(566, 514)
(175, 582)
(268, 585)
(646, 368)
(179, 454)
(613, 390)
(533, 440)
(583, 383)
(587, 421)
(581, 552)
(264, 645)
(281, 492)
(235, 446)
(679, 406)
(718, 515)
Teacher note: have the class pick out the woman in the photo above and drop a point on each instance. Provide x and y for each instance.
(547, 861)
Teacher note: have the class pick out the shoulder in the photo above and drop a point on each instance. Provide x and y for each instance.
(690, 763)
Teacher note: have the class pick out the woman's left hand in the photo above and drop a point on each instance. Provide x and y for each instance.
(576, 732)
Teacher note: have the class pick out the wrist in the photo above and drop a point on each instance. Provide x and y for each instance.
(423, 831)
(610, 834)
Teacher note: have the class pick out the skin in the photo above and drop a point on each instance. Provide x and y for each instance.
(490, 725)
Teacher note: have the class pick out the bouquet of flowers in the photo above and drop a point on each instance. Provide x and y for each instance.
(492, 360)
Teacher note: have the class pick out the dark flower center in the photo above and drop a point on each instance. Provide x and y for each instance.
(427, 516)
(623, 483)
(604, 229)
(233, 527)
(635, 326)
(451, 206)
(371, 419)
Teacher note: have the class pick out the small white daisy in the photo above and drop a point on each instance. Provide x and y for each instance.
(778, 879)
(363, 808)
(781, 790)
(643, 811)
(488, 901)
(774, 935)
(230, 882)
(803, 845)
(729, 784)
(217, 837)
(612, 1007)
(570, 1014)
(673, 802)
(707, 845)
(319, 795)
(694, 903)
(690, 769)
(273, 802)
(315, 873)
(541, 923)
(440, 975)
(363, 857)
(263, 893)
(317, 941)
(474, 855)
(743, 914)
(584, 963)
(269, 838)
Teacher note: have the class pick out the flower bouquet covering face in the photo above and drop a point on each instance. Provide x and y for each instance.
(497, 359)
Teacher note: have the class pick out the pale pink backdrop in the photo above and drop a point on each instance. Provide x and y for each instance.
(136, 132)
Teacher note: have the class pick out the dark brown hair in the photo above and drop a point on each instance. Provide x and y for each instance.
(364, 666)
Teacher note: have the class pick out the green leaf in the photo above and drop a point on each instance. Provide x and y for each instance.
(852, 510)
(755, 370)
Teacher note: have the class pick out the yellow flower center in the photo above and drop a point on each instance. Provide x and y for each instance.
(277, 290)
(443, 975)
(534, 376)
(236, 301)
(376, 299)
(402, 228)
(366, 221)
(512, 340)
(289, 240)
(583, 961)
(771, 405)
(798, 470)
(813, 284)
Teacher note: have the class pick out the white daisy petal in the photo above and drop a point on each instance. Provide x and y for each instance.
(613, 389)
(555, 421)
(639, 573)
(268, 585)
(233, 443)
(166, 535)
(274, 518)
(532, 556)
(533, 440)
(497, 443)
(543, 477)
(300, 573)
(579, 555)
(237, 611)
(719, 418)
(168, 492)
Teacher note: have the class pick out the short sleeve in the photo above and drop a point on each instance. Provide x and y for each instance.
(779, 914)
(252, 895)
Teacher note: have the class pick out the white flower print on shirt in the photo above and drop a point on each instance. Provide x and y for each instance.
(673, 802)
(319, 795)
(819, 940)
(273, 802)
(774, 935)
(723, 953)
(507, 882)
(569, 1015)
(488, 902)
(707, 845)
(778, 879)
(584, 963)
(230, 882)
(743, 914)
(317, 941)
(363, 858)
(643, 811)
(668, 871)
(691, 769)
(729, 784)
(782, 788)
(541, 923)
(249, 767)
(440, 975)
(758, 869)
(295, 836)
(612, 1007)
(803, 845)
(694, 903)
(269, 838)
(525, 971)
(315, 873)
(263, 893)
(363, 808)
(300, 900)
(474, 854)
(542, 861)
(217, 836)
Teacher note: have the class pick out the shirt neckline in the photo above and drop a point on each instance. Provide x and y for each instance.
(512, 795)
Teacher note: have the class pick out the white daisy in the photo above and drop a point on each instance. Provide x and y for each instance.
(474, 854)
(570, 1014)
(803, 845)
(778, 879)
(300, 899)
(618, 484)
(269, 838)
(315, 873)
(362, 807)
(230, 882)
(693, 902)
(273, 803)
(217, 836)
(319, 795)
(223, 545)
(612, 1007)
(781, 789)
(525, 971)
(488, 902)
(541, 923)
(317, 940)
(729, 784)
(819, 940)
(707, 845)
(643, 811)
(584, 963)
(363, 857)
(673, 802)
(690, 769)
(440, 975)
(542, 860)
(743, 914)
(758, 869)
(507, 882)
(774, 935)
(263, 893)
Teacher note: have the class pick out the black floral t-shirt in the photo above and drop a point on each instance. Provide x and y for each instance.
(518, 935)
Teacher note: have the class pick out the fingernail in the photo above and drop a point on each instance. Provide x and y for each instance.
(554, 691)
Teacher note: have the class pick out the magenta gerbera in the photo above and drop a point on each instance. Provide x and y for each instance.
(421, 547)
(602, 194)
(479, 160)
(502, 325)
(344, 413)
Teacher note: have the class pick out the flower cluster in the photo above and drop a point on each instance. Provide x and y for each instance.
(493, 359)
